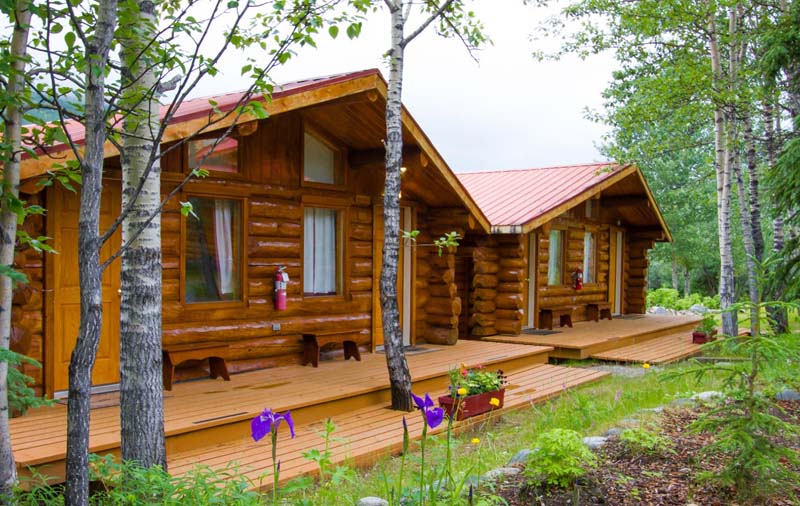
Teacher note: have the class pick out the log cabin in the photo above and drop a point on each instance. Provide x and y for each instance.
(547, 225)
(300, 190)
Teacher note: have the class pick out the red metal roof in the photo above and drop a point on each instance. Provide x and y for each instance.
(199, 107)
(516, 197)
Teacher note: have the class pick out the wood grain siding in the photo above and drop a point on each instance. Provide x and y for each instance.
(635, 279)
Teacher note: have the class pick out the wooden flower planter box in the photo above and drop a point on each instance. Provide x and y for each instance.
(702, 337)
(471, 405)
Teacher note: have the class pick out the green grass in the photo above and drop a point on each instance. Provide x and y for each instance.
(589, 410)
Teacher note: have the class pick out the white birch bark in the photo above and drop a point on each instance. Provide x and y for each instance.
(8, 227)
(141, 399)
(399, 375)
(89, 267)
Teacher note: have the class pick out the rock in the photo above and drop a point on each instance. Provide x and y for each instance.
(657, 409)
(683, 401)
(372, 501)
(788, 395)
(698, 309)
(626, 371)
(595, 442)
(707, 396)
(520, 459)
(501, 472)
(630, 422)
(613, 432)
(658, 310)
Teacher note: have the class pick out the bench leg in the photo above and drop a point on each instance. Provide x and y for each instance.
(606, 313)
(310, 351)
(546, 319)
(351, 350)
(167, 370)
(218, 368)
(592, 313)
(565, 319)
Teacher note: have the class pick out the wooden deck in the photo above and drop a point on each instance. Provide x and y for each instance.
(586, 339)
(365, 434)
(661, 350)
(207, 412)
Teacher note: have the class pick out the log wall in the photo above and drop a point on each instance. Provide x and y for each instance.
(270, 184)
(635, 281)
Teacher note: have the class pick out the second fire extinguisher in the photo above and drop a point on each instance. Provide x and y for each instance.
(281, 279)
(577, 279)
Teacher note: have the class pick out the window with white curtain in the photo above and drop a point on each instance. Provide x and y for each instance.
(319, 161)
(321, 258)
(555, 262)
(589, 258)
(213, 250)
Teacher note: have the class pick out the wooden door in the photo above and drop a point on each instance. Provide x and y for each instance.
(615, 271)
(531, 286)
(66, 289)
(403, 271)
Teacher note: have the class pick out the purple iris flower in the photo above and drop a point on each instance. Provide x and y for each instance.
(433, 415)
(268, 422)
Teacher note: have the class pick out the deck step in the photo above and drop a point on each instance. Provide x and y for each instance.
(363, 435)
(661, 350)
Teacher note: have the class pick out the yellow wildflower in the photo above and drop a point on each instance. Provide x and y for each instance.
(646, 365)
(462, 391)
(475, 441)
(494, 401)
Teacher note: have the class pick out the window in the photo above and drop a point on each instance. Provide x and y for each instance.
(589, 258)
(590, 208)
(555, 262)
(213, 251)
(322, 251)
(224, 157)
(321, 162)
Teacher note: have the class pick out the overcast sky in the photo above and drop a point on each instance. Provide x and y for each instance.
(508, 111)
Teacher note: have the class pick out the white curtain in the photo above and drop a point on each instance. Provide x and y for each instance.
(320, 258)
(556, 255)
(223, 237)
(588, 257)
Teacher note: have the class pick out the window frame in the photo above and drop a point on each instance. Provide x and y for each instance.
(244, 299)
(239, 174)
(341, 206)
(339, 158)
(563, 255)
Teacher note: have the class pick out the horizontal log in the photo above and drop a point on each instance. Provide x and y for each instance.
(485, 267)
(484, 294)
(443, 306)
(483, 331)
(273, 247)
(441, 335)
(482, 319)
(448, 290)
(508, 327)
(445, 261)
(360, 232)
(275, 209)
(484, 281)
(422, 298)
(512, 252)
(509, 301)
(484, 306)
(361, 284)
(518, 263)
(361, 215)
(511, 287)
(436, 320)
(361, 266)
(274, 228)
(485, 254)
(511, 274)
(423, 267)
(362, 249)
(510, 315)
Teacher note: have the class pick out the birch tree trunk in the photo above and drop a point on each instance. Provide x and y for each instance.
(754, 193)
(749, 247)
(399, 375)
(12, 135)
(89, 268)
(141, 384)
(722, 168)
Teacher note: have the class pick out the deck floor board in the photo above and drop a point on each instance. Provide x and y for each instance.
(661, 350)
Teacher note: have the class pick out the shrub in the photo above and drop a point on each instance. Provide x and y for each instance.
(642, 442)
(559, 458)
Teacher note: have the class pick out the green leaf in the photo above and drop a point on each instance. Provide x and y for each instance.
(187, 209)
(333, 31)
(69, 38)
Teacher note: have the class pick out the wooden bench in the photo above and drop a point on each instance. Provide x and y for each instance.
(314, 341)
(548, 314)
(598, 310)
(173, 355)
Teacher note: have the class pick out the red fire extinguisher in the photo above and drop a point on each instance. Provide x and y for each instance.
(577, 279)
(281, 279)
